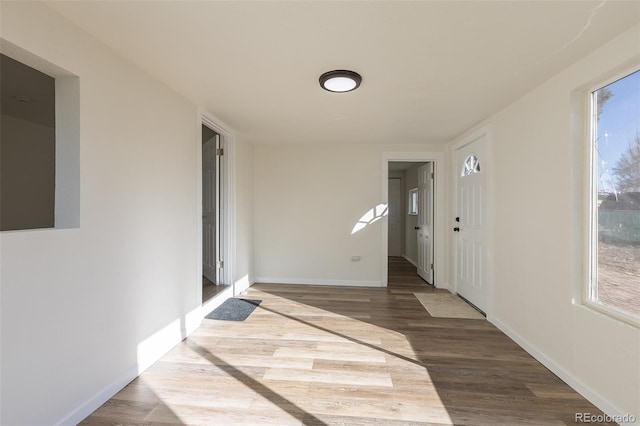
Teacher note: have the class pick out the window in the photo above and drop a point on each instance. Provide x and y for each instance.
(413, 202)
(39, 143)
(471, 165)
(27, 147)
(614, 285)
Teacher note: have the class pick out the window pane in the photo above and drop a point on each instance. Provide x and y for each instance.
(413, 201)
(471, 165)
(617, 151)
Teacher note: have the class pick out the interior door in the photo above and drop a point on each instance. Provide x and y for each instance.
(395, 217)
(210, 209)
(220, 209)
(470, 223)
(425, 222)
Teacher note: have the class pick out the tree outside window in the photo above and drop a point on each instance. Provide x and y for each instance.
(616, 167)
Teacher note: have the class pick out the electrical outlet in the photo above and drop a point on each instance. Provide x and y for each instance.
(355, 258)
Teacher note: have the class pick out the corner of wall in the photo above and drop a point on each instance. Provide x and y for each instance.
(591, 395)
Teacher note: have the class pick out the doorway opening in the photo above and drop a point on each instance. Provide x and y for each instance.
(436, 160)
(410, 241)
(213, 217)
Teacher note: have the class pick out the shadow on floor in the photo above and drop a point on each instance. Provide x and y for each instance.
(480, 375)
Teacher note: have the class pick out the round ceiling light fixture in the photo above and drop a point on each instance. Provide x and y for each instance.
(340, 81)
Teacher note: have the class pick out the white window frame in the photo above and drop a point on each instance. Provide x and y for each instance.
(412, 209)
(590, 291)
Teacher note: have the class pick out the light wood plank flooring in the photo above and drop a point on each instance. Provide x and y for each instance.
(321, 355)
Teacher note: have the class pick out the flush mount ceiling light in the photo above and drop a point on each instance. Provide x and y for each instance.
(340, 81)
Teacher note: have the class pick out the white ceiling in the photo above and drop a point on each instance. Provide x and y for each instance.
(431, 69)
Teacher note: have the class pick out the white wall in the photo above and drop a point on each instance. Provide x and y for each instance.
(537, 189)
(83, 309)
(399, 174)
(411, 221)
(243, 266)
(307, 200)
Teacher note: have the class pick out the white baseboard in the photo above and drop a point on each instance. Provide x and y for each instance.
(592, 396)
(411, 261)
(149, 351)
(216, 301)
(93, 403)
(162, 341)
(243, 284)
(239, 287)
(351, 283)
(446, 286)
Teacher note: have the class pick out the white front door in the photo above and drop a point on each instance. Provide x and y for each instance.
(210, 209)
(470, 223)
(425, 222)
(395, 217)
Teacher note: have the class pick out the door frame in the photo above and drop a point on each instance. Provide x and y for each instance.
(439, 255)
(484, 131)
(213, 276)
(227, 139)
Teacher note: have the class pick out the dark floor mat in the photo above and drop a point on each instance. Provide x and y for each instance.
(234, 309)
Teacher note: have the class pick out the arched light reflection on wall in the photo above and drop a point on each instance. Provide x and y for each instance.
(376, 213)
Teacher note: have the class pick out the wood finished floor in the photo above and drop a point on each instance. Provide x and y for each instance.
(209, 289)
(319, 355)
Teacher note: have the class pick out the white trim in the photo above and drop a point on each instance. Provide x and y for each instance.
(67, 153)
(580, 200)
(437, 158)
(162, 341)
(149, 351)
(93, 403)
(243, 284)
(617, 74)
(307, 281)
(411, 261)
(467, 138)
(584, 390)
(484, 131)
(216, 300)
(229, 193)
(630, 319)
